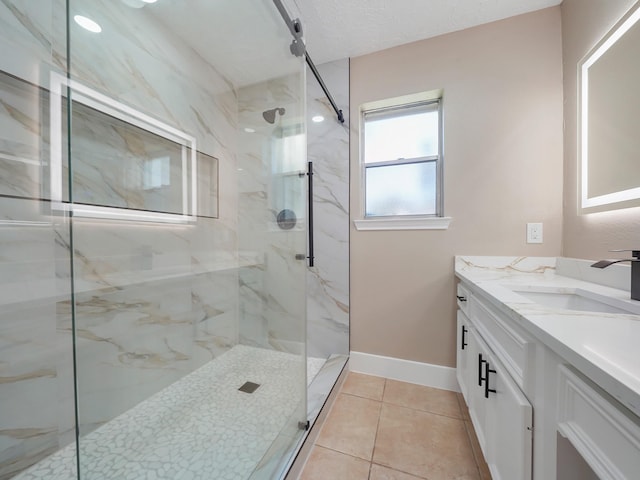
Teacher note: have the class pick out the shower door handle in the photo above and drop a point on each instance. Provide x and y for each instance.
(311, 256)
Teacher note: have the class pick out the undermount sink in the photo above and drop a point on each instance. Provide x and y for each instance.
(577, 299)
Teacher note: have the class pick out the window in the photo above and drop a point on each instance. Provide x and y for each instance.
(402, 160)
(288, 145)
(156, 173)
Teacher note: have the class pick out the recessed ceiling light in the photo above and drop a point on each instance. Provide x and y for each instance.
(149, 1)
(249, 130)
(87, 24)
(317, 119)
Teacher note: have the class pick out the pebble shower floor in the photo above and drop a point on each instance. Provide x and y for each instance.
(201, 427)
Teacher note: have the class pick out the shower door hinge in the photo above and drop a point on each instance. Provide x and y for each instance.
(303, 425)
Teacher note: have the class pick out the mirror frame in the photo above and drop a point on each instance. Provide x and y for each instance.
(614, 200)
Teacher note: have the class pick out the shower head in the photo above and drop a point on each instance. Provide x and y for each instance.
(270, 115)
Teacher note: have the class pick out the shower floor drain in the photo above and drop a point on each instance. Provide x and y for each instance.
(249, 387)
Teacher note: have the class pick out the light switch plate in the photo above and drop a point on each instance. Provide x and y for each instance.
(534, 232)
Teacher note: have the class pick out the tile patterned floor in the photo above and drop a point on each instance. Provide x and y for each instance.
(382, 429)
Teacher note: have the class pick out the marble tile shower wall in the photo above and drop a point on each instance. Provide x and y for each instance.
(328, 280)
(272, 298)
(268, 309)
(36, 382)
(152, 303)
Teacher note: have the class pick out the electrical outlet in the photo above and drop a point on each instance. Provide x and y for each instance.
(534, 232)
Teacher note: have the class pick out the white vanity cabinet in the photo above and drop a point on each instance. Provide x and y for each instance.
(606, 435)
(501, 414)
(574, 371)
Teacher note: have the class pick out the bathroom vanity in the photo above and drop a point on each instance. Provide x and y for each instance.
(549, 365)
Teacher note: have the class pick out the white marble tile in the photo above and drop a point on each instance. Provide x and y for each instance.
(23, 147)
(328, 280)
(33, 39)
(272, 311)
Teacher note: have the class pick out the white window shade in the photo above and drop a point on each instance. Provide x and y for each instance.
(391, 136)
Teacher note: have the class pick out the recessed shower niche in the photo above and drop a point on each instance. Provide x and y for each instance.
(124, 162)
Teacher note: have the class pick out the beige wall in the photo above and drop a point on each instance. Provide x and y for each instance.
(584, 23)
(503, 167)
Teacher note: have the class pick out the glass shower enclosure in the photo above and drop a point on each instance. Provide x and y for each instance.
(152, 205)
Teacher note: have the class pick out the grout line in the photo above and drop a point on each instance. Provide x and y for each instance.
(375, 438)
(425, 411)
(401, 471)
(473, 450)
(428, 411)
(341, 453)
(384, 389)
(360, 396)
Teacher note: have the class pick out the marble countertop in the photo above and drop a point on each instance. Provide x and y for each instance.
(603, 346)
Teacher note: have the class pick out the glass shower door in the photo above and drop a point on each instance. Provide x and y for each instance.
(281, 238)
(189, 296)
(272, 226)
(36, 354)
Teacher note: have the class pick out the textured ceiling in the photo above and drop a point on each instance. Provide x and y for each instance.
(247, 41)
(337, 29)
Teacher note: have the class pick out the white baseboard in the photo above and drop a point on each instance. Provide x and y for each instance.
(409, 371)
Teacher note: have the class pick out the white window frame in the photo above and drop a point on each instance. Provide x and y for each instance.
(403, 222)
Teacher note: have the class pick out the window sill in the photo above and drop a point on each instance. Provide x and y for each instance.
(424, 223)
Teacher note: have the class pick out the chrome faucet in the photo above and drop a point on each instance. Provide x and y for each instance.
(635, 270)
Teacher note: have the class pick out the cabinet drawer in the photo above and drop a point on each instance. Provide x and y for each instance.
(463, 296)
(604, 433)
(512, 346)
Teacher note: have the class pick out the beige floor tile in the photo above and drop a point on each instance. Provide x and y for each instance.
(363, 385)
(378, 472)
(434, 400)
(424, 444)
(464, 410)
(325, 464)
(483, 468)
(351, 426)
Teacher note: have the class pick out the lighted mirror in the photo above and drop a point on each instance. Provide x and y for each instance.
(610, 116)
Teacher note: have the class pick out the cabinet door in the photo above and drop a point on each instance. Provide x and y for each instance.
(463, 362)
(475, 390)
(509, 425)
